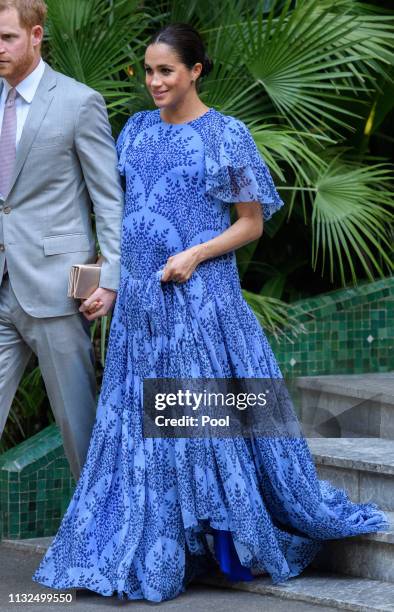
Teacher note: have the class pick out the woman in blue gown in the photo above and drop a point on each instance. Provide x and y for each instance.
(150, 514)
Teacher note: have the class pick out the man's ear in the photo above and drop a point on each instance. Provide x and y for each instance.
(37, 34)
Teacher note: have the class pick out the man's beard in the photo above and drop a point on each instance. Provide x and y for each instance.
(19, 68)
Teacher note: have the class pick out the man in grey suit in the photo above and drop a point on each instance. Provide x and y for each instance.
(57, 159)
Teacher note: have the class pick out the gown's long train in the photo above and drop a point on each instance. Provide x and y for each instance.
(143, 508)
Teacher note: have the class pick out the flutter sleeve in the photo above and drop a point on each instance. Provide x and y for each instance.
(126, 138)
(236, 172)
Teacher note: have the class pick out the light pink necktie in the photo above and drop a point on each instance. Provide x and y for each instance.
(8, 143)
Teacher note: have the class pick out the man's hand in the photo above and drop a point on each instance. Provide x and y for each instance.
(98, 304)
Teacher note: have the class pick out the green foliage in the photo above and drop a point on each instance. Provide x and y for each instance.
(28, 410)
(96, 41)
(273, 315)
(351, 214)
(100, 330)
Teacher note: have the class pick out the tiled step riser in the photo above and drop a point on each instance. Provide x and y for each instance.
(333, 415)
(361, 486)
(359, 558)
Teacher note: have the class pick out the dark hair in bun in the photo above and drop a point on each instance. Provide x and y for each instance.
(187, 44)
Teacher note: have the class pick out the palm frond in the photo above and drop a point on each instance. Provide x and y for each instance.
(273, 315)
(95, 42)
(305, 61)
(351, 217)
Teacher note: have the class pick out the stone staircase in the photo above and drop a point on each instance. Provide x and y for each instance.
(362, 466)
(365, 468)
(349, 423)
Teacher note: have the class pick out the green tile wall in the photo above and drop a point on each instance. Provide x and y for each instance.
(35, 486)
(349, 331)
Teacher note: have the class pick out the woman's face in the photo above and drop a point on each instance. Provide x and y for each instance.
(167, 78)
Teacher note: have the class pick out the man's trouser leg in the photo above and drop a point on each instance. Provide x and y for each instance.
(14, 355)
(65, 357)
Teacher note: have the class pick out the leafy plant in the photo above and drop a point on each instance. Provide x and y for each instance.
(96, 42)
(28, 410)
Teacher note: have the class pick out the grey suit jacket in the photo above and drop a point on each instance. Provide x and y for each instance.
(66, 162)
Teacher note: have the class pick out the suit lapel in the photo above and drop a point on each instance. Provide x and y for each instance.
(38, 109)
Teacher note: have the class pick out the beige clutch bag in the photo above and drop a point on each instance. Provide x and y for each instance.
(83, 280)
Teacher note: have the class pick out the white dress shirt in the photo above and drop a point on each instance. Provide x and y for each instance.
(26, 90)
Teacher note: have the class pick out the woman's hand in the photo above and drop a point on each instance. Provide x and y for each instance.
(181, 266)
(248, 227)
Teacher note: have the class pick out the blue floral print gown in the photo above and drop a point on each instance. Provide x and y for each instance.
(150, 514)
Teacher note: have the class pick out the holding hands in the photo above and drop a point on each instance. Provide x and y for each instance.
(98, 304)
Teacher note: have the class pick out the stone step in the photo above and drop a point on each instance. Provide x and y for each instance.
(364, 467)
(321, 588)
(312, 586)
(29, 545)
(368, 556)
(347, 406)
